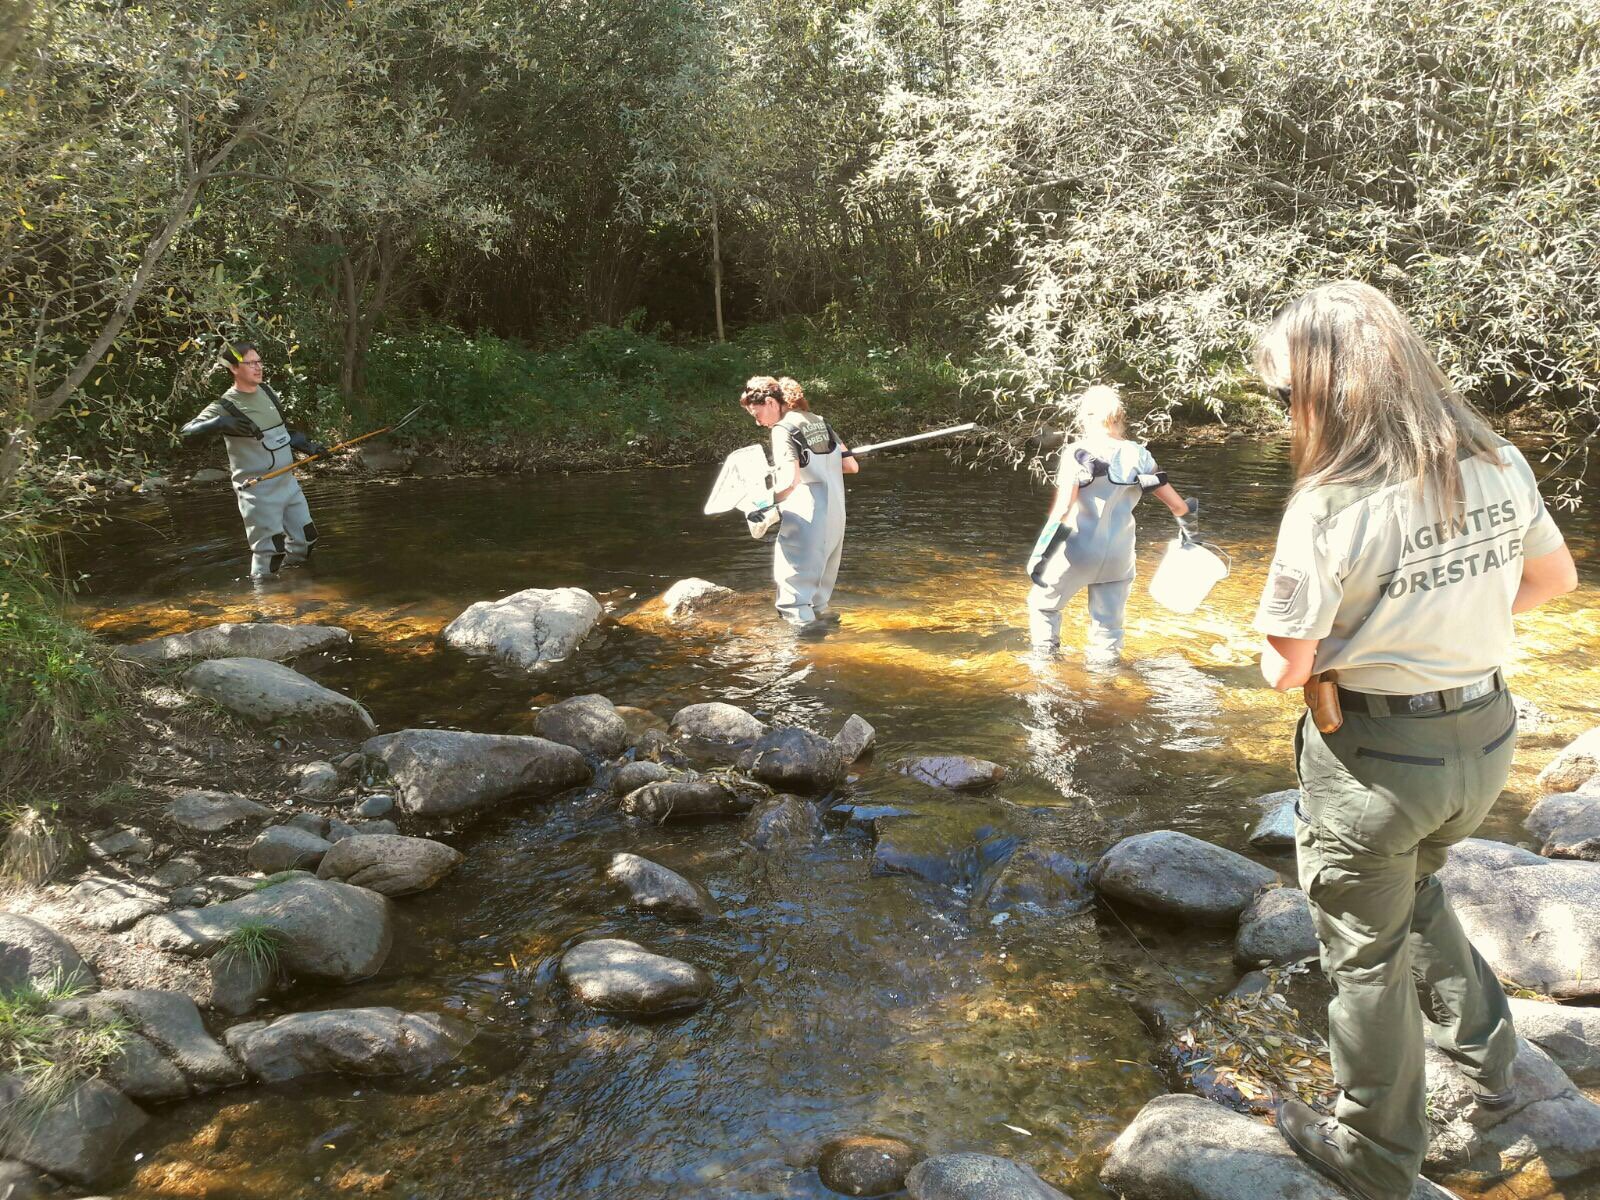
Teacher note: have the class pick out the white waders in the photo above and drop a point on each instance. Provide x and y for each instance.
(805, 561)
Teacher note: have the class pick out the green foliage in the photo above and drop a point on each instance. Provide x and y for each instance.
(256, 945)
(50, 1053)
(274, 880)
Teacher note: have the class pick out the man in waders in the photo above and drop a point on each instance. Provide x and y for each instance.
(277, 520)
(1412, 535)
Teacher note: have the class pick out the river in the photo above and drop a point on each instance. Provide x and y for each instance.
(845, 1000)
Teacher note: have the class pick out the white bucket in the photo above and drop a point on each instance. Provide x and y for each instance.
(1188, 572)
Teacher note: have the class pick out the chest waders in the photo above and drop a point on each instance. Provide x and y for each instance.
(810, 543)
(1385, 797)
(277, 519)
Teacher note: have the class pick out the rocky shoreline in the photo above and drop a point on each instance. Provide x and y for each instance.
(293, 862)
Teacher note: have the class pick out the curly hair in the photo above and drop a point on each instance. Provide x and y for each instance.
(794, 397)
(758, 389)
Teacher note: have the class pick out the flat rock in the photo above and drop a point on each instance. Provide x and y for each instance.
(1575, 766)
(630, 777)
(112, 904)
(80, 1139)
(589, 724)
(1551, 1129)
(1181, 876)
(1568, 823)
(783, 823)
(246, 640)
(958, 772)
(794, 760)
(977, 1177)
(317, 782)
(132, 845)
(390, 864)
(690, 597)
(287, 848)
(444, 773)
(212, 812)
(1186, 1148)
(1569, 1034)
(688, 800)
(270, 694)
(716, 722)
(615, 976)
(855, 738)
(1041, 880)
(865, 1165)
(168, 1053)
(531, 629)
(326, 930)
(33, 954)
(1532, 918)
(178, 871)
(654, 888)
(1275, 929)
(346, 1041)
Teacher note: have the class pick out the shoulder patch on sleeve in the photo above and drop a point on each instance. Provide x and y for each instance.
(1286, 589)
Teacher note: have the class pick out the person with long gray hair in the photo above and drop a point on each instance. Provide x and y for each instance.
(1411, 536)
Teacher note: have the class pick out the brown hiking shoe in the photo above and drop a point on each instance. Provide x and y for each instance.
(1310, 1135)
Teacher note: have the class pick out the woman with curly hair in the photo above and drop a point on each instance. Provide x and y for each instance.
(809, 465)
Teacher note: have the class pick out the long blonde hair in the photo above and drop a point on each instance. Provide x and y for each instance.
(1367, 401)
(1099, 410)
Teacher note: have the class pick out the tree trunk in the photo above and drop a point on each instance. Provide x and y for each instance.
(716, 270)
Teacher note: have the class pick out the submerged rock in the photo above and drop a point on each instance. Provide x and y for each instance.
(977, 1177)
(1275, 929)
(952, 843)
(783, 823)
(1042, 880)
(865, 1165)
(287, 848)
(80, 1138)
(688, 799)
(530, 629)
(268, 693)
(589, 724)
(1181, 876)
(346, 1041)
(690, 597)
(1568, 824)
(1576, 767)
(443, 773)
(390, 864)
(657, 889)
(323, 929)
(247, 640)
(1186, 1148)
(855, 738)
(212, 812)
(615, 976)
(34, 955)
(1532, 918)
(113, 904)
(958, 772)
(794, 760)
(1569, 1034)
(716, 722)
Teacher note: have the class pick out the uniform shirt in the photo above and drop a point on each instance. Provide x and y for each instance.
(1401, 600)
(249, 457)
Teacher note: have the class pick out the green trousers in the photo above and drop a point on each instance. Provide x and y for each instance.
(1385, 799)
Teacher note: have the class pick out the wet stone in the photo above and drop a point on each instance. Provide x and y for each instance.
(1041, 880)
(391, 865)
(531, 629)
(716, 722)
(1275, 929)
(783, 823)
(686, 800)
(80, 1139)
(854, 739)
(1180, 876)
(794, 760)
(639, 722)
(244, 640)
(957, 772)
(658, 889)
(630, 777)
(615, 976)
(1274, 832)
(864, 1165)
(347, 1041)
(589, 724)
(690, 597)
(445, 773)
(951, 843)
(1576, 767)
(977, 1177)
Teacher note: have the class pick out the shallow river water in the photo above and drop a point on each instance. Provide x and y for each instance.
(845, 1000)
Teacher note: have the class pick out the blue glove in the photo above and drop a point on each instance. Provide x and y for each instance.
(1189, 522)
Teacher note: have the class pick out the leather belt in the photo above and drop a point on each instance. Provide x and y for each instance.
(1447, 701)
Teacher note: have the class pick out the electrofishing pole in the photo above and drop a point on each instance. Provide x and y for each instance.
(914, 438)
(332, 450)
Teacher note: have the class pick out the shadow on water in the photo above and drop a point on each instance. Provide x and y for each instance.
(846, 1000)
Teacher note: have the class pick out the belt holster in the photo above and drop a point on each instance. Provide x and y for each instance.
(1322, 698)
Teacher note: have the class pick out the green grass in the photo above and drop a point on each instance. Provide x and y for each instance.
(255, 944)
(50, 1053)
(275, 879)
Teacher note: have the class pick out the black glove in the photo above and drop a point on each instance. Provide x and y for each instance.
(225, 423)
(1189, 522)
(300, 443)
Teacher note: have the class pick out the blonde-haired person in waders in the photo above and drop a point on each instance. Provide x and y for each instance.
(809, 465)
(1411, 536)
(277, 520)
(1102, 476)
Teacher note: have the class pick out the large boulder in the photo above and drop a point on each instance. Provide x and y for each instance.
(1568, 825)
(389, 863)
(323, 929)
(783, 823)
(346, 1041)
(111, 904)
(690, 597)
(80, 1138)
(865, 1165)
(531, 629)
(1275, 929)
(1551, 1129)
(654, 888)
(34, 955)
(615, 976)
(211, 812)
(1532, 918)
(794, 760)
(716, 722)
(958, 772)
(252, 639)
(167, 1053)
(1187, 1148)
(287, 848)
(977, 1177)
(1180, 876)
(1569, 1034)
(689, 799)
(270, 694)
(589, 724)
(1041, 880)
(1575, 767)
(444, 773)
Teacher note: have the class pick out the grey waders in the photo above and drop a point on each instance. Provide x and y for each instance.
(805, 561)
